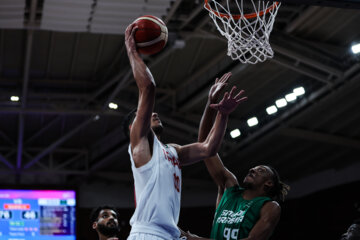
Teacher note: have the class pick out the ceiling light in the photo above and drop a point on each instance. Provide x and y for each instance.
(235, 133)
(252, 122)
(113, 105)
(356, 48)
(271, 110)
(14, 98)
(299, 91)
(281, 103)
(290, 97)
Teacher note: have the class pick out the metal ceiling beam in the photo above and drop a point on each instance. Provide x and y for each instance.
(58, 142)
(320, 137)
(27, 62)
(307, 60)
(172, 11)
(205, 92)
(194, 13)
(1, 49)
(42, 130)
(277, 123)
(296, 67)
(304, 16)
(74, 55)
(6, 162)
(75, 158)
(99, 112)
(98, 54)
(108, 157)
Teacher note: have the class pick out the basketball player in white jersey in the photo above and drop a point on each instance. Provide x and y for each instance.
(157, 167)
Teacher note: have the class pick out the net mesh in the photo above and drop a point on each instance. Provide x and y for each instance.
(247, 25)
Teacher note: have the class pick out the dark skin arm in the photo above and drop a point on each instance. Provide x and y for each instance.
(195, 152)
(269, 218)
(221, 175)
(140, 129)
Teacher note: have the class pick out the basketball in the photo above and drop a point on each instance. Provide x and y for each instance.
(151, 35)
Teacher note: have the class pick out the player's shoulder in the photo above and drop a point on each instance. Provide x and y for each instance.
(272, 207)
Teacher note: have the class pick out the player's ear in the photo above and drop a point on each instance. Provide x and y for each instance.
(94, 225)
(268, 185)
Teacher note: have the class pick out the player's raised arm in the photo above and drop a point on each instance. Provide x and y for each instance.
(144, 80)
(192, 153)
(221, 175)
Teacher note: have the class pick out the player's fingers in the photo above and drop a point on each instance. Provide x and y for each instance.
(216, 80)
(239, 94)
(225, 77)
(241, 100)
(232, 91)
(133, 30)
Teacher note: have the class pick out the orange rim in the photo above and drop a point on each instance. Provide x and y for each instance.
(238, 16)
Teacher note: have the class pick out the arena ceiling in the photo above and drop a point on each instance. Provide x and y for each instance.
(66, 60)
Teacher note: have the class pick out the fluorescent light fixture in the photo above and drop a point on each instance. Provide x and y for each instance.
(290, 97)
(299, 91)
(235, 133)
(14, 98)
(271, 110)
(113, 105)
(281, 102)
(356, 48)
(252, 121)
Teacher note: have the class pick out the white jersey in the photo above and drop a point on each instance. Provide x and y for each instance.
(157, 193)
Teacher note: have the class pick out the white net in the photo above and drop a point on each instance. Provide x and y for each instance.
(247, 25)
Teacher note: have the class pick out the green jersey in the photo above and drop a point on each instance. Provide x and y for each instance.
(235, 216)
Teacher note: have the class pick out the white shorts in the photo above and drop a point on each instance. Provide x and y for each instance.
(146, 236)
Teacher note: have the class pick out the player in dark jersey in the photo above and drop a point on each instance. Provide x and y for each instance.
(248, 212)
(104, 221)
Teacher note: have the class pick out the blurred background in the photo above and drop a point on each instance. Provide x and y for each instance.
(66, 85)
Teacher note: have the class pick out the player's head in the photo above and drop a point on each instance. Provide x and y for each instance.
(155, 123)
(266, 178)
(353, 232)
(105, 221)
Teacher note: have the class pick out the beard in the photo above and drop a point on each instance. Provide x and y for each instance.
(158, 129)
(108, 231)
(247, 185)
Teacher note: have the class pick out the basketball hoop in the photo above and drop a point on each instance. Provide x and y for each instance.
(247, 25)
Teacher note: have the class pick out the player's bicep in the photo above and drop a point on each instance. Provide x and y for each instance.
(141, 125)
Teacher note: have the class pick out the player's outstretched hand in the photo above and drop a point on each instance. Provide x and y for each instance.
(129, 39)
(229, 102)
(218, 86)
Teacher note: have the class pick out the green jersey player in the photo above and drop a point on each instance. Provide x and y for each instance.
(248, 212)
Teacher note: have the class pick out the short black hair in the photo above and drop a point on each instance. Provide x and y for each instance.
(128, 119)
(95, 212)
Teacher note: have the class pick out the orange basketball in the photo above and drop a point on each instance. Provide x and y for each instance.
(151, 35)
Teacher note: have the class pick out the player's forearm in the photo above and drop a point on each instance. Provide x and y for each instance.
(142, 75)
(206, 122)
(216, 134)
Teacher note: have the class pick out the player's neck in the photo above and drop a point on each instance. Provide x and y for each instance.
(253, 193)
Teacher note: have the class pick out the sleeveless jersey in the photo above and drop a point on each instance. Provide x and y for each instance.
(157, 193)
(235, 216)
